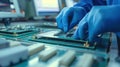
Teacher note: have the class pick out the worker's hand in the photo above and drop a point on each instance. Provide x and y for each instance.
(99, 20)
(69, 17)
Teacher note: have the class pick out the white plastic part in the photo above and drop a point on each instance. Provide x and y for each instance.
(67, 58)
(47, 54)
(85, 61)
(8, 43)
(14, 43)
(4, 43)
(47, 34)
(35, 48)
(13, 55)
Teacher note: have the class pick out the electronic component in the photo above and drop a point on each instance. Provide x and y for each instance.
(63, 41)
(52, 38)
(4, 43)
(86, 60)
(35, 48)
(47, 54)
(49, 34)
(13, 55)
(13, 43)
(13, 32)
(8, 43)
(63, 58)
(67, 58)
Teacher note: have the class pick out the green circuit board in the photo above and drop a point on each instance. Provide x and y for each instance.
(97, 49)
(65, 42)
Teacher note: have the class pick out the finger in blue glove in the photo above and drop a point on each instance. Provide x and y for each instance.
(99, 20)
(69, 17)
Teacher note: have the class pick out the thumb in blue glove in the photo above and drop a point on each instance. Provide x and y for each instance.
(69, 17)
(99, 20)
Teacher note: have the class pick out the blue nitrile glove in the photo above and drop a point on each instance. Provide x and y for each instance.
(69, 17)
(99, 20)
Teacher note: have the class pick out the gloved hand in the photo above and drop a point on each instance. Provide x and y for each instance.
(99, 20)
(69, 17)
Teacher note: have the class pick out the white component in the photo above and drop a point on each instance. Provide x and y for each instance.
(35, 48)
(13, 55)
(14, 43)
(67, 58)
(85, 61)
(47, 54)
(4, 43)
(8, 43)
(48, 34)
